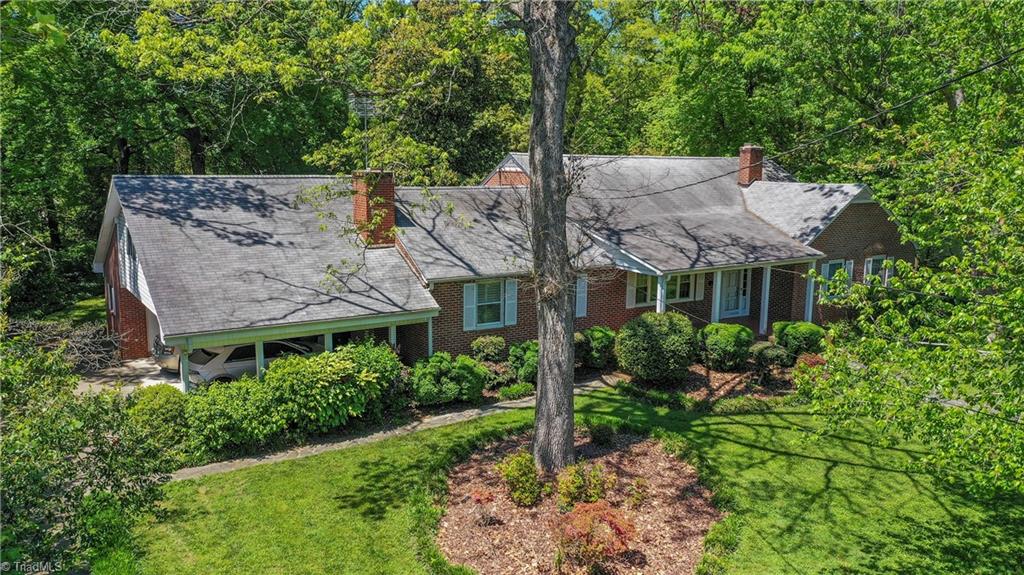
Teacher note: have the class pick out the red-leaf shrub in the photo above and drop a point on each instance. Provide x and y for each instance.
(591, 534)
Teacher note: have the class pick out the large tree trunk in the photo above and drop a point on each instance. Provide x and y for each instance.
(552, 46)
(196, 149)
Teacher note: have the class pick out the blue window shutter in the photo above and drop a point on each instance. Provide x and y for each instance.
(581, 295)
(469, 306)
(511, 301)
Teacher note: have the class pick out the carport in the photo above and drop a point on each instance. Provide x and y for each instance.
(327, 329)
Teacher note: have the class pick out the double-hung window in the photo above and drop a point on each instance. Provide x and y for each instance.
(830, 269)
(488, 304)
(875, 266)
(681, 287)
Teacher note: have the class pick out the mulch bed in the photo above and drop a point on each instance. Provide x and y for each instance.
(703, 383)
(671, 523)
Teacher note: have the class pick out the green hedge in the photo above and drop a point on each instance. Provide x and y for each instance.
(600, 347)
(515, 391)
(441, 379)
(524, 359)
(656, 347)
(298, 395)
(158, 412)
(726, 346)
(322, 392)
(801, 337)
(767, 355)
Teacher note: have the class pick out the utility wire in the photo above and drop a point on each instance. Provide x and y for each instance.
(839, 131)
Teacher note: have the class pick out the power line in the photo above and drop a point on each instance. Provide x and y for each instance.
(839, 131)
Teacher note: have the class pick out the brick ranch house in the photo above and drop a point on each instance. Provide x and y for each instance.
(205, 261)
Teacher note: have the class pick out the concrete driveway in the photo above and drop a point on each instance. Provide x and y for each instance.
(130, 374)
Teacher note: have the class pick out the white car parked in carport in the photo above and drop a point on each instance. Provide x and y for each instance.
(232, 362)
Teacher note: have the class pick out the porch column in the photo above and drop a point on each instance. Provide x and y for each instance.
(328, 341)
(766, 282)
(662, 289)
(186, 383)
(716, 298)
(430, 336)
(261, 362)
(393, 335)
(809, 299)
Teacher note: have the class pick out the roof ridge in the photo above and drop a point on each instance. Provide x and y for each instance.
(235, 176)
(645, 156)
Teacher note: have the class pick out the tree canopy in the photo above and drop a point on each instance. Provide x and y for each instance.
(193, 86)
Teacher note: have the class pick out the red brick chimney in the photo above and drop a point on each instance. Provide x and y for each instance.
(373, 203)
(751, 166)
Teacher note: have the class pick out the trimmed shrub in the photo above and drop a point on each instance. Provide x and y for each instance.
(767, 355)
(158, 412)
(580, 347)
(656, 347)
(515, 391)
(802, 337)
(779, 329)
(521, 478)
(231, 415)
(524, 358)
(320, 393)
(726, 345)
(582, 483)
(601, 341)
(488, 348)
(591, 534)
(440, 379)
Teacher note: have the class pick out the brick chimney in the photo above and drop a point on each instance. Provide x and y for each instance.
(374, 197)
(751, 167)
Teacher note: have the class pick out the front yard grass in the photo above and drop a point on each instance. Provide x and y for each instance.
(838, 505)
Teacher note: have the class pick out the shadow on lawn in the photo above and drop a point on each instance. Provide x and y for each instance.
(418, 462)
(773, 465)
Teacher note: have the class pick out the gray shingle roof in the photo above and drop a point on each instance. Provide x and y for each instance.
(232, 252)
(801, 210)
(460, 232)
(649, 207)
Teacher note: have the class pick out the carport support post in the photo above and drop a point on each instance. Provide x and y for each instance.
(183, 369)
(809, 298)
(766, 282)
(260, 360)
(328, 341)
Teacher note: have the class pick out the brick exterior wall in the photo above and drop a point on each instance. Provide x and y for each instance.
(508, 178)
(129, 320)
(862, 230)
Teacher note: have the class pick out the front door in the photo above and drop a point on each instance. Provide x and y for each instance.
(736, 293)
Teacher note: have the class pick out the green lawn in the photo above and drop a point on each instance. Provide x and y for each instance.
(93, 309)
(841, 505)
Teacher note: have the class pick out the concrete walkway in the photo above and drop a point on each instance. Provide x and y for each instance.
(335, 444)
(130, 374)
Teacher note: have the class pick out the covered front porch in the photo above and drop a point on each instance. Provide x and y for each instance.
(751, 295)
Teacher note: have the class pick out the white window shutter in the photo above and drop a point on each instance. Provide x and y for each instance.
(849, 271)
(469, 307)
(698, 287)
(630, 289)
(581, 295)
(867, 268)
(511, 301)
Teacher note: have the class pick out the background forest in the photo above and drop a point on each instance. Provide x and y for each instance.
(182, 86)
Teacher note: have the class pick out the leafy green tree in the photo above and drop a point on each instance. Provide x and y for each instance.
(71, 462)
